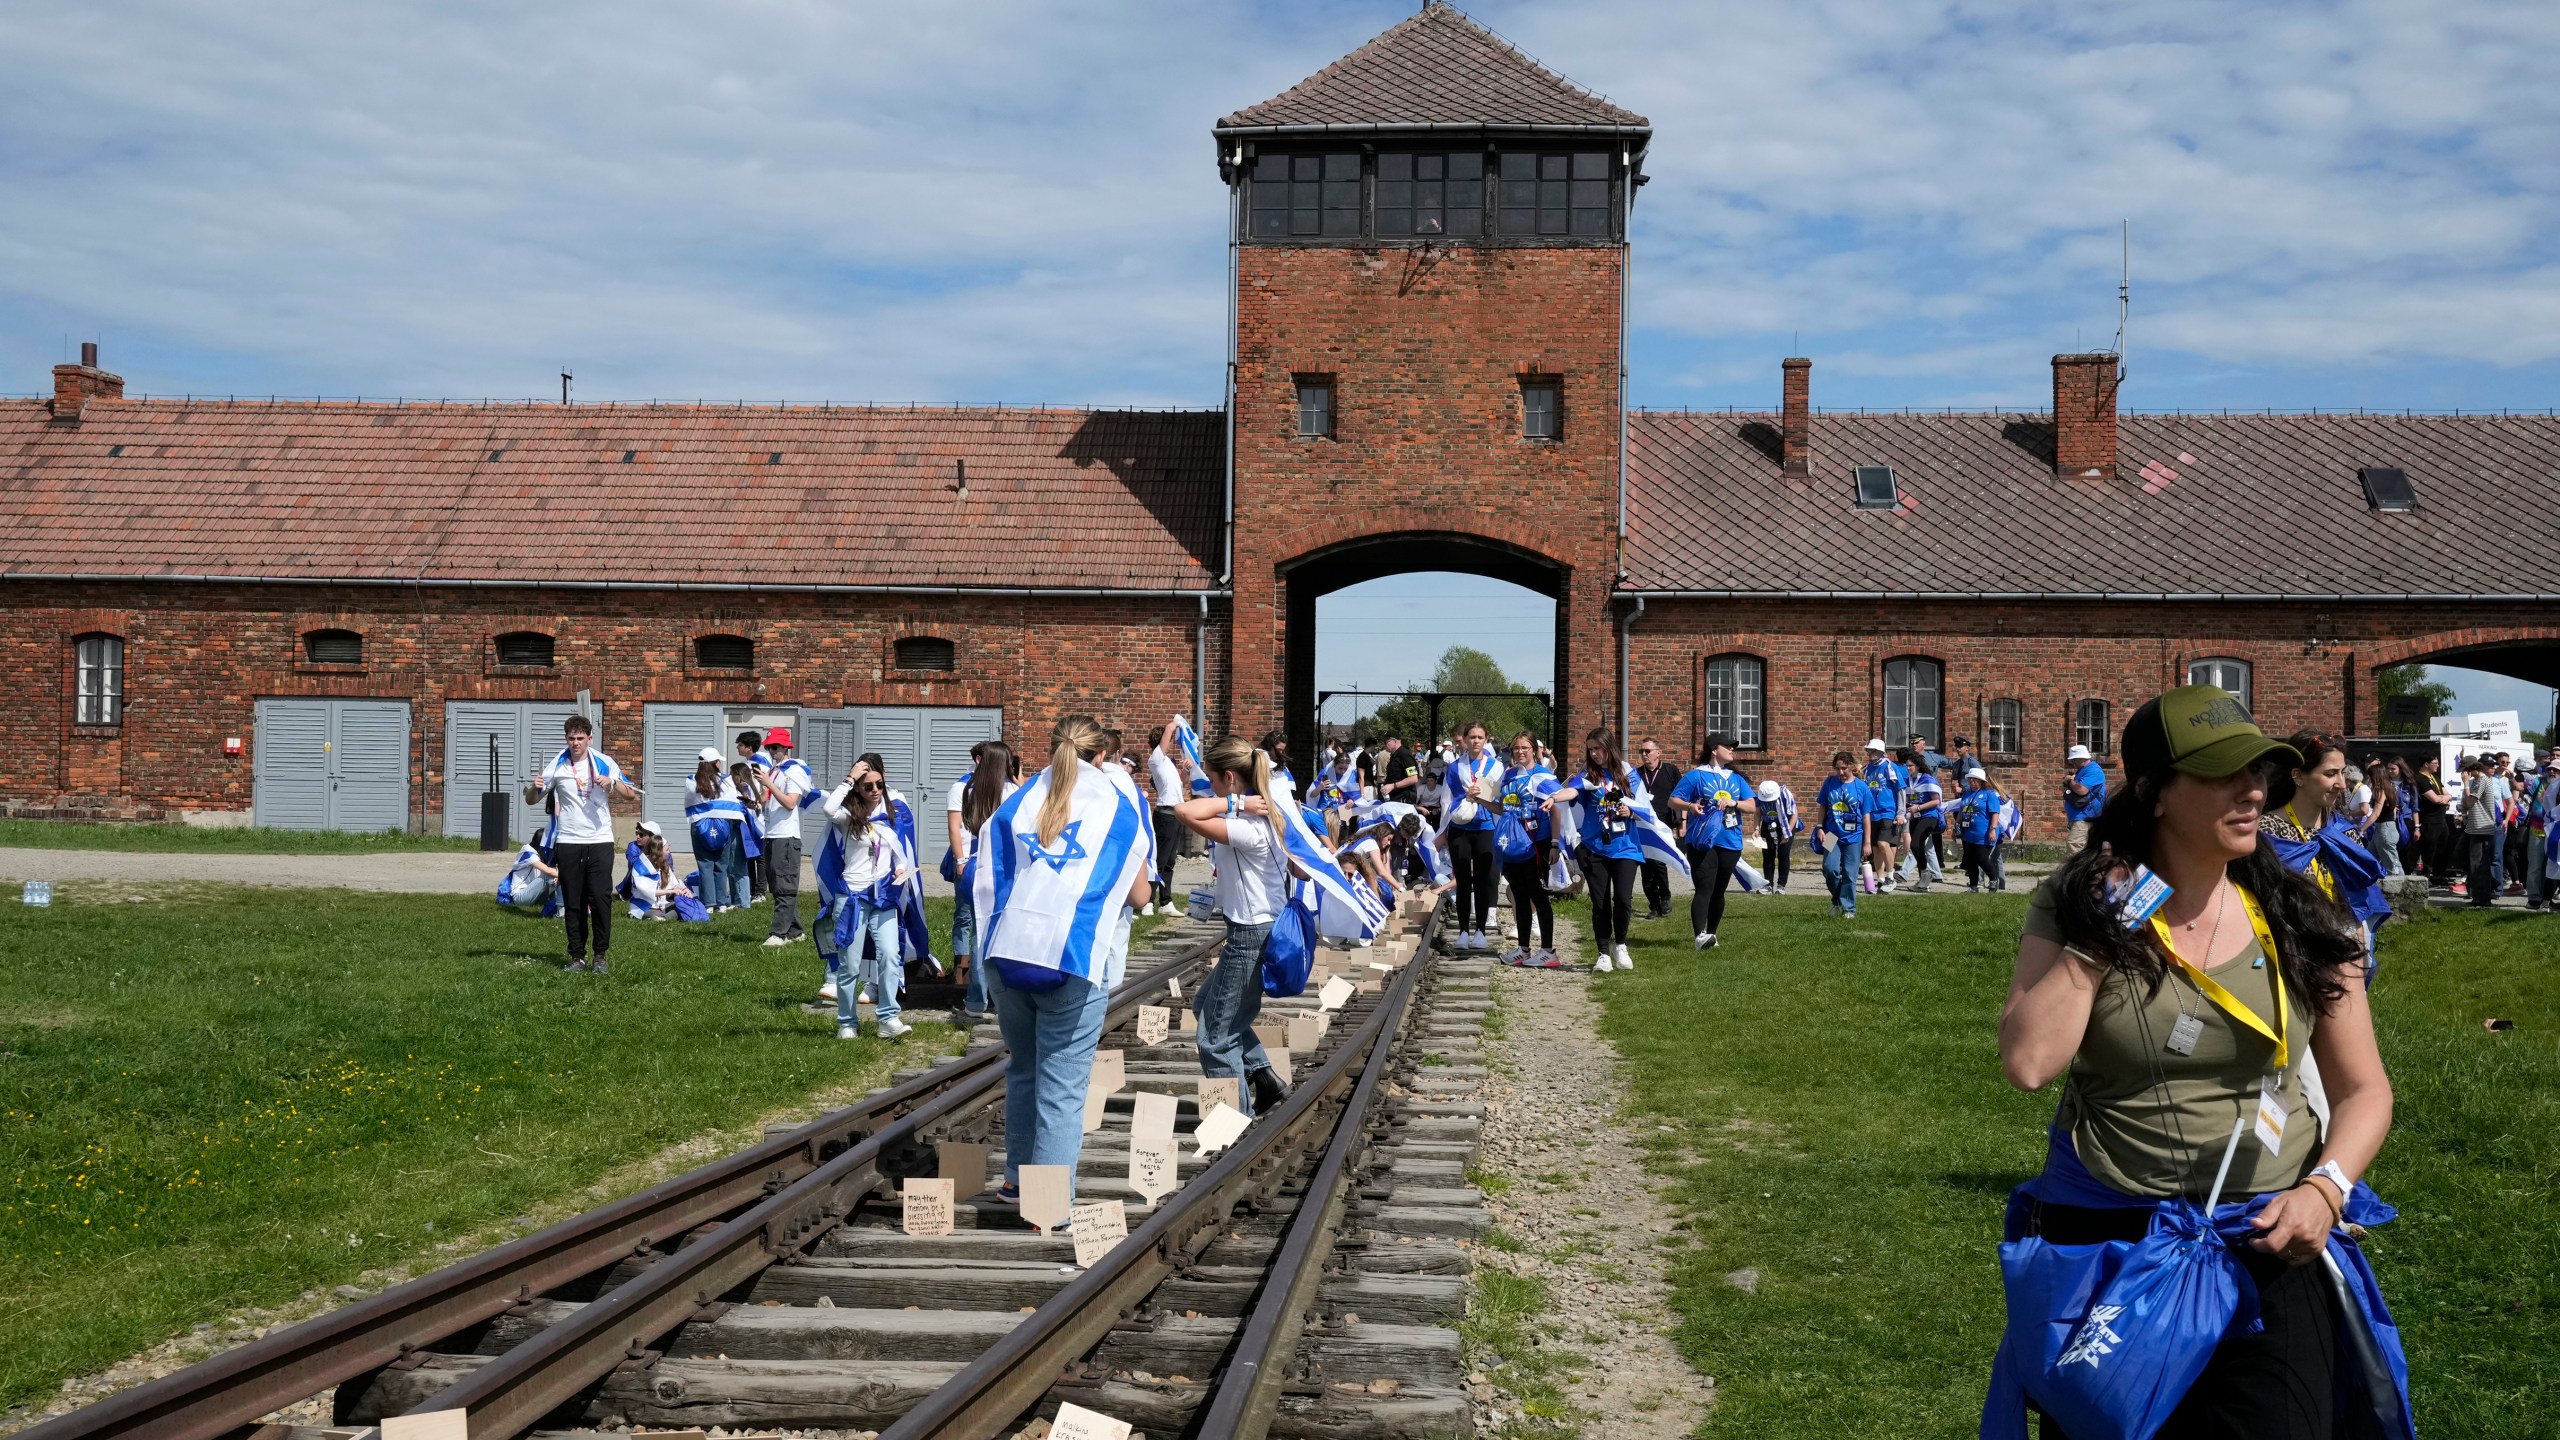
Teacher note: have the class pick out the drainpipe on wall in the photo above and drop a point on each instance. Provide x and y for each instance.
(1235, 276)
(1200, 670)
(1626, 262)
(1626, 721)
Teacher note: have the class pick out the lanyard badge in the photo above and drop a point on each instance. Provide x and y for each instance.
(2271, 1110)
(2139, 898)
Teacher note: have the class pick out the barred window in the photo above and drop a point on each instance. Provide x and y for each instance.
(99, 663)
(1736, 685)
(333, 647)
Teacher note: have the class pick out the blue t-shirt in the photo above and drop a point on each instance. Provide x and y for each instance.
(1462, 774)
(1711, 828)
(1524, 794)
(1978, 816)
(1845, 806)
(1596, 836)
(1886, 781)
(2093, 775)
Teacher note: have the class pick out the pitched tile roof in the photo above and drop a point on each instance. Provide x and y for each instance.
(1439, 69)
(647, 495)
(2225, 504)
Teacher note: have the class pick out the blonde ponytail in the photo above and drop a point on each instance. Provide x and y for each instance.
(1230, 756)
(1267, 785)
(1079, 738)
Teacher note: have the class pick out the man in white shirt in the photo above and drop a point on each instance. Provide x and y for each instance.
(582, 782)
(786, 781)
(1165, 775)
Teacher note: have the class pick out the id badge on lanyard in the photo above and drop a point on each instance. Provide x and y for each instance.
(2271, 1102)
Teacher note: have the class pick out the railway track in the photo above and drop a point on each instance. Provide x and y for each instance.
(1301, 1281)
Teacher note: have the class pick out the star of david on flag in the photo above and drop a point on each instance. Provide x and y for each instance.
(1069, 848)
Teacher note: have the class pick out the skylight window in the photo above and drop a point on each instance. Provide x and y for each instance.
(2387, 488)
(1876, 488)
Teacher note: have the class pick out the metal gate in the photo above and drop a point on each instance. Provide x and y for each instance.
(331, 765)
(925, 749)
(528, 735)
(676, 736)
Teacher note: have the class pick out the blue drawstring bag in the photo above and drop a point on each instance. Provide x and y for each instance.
(2108, 1338)
(951, 866)
(687, 907)
(710, 835)
(1511, 837)
(1289, 951)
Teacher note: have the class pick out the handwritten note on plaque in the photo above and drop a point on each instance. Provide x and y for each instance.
(1151, 1149)
(1096, 1228)
(1220, 1090)
(1075, 1422)
(929, 1205)
(1154, 1023)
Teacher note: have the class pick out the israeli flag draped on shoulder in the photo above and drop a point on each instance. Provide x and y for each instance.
(599, 764)
(1653, 834)
(1316, 860)
(915, 937)
(1190, 743)
(640, 887)
(1055, 906)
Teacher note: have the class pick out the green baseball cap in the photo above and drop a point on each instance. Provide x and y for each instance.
(2205, 731)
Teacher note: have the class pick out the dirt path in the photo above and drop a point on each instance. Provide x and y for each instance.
(1570, 1192)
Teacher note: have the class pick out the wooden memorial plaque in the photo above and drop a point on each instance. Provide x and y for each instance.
(1218, 1130)
(1278, 1055)
(1154, 1023)
(1336, 993)
(1173, 989)
(1152, 1157)
(1075, 1422)
(1096, 1228)
(928, 1207)
(1044, 1194)
(446, 1425)
(964, 1163)
(1221, 1090)
(1274, 1034)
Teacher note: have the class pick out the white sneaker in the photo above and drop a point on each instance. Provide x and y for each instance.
(892, 1029)
(774, 942)
(1516, 955)
(861, 994)
(1704, 939)
(848, 1032)
(1624, 962)
(1147, 909)
(1602, 966)
(828, 992)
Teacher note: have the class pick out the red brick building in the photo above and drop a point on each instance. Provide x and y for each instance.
(1430, 269)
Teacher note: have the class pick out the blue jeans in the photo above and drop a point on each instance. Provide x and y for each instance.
(1840, 874)
(741, 887)
(2498, 859)
(712, 867)
(1050, 1035)
(2000, 865)
(881, 969)
(1229, 1000)
(964, 946)
(823, 931)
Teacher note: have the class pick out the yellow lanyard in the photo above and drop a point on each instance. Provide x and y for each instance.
(2319, 868)
(2229, 1002)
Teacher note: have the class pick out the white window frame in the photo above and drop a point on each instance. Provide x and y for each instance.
(1899, 731)
(98, 661)
(2015, 726)
(1740, 712)
(2216, 670)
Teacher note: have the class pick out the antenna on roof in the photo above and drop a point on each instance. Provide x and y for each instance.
(2124, 297)
(564, 387)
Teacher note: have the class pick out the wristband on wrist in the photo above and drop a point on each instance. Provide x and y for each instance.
(2329, 1170)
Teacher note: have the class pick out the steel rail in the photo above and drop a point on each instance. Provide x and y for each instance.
(1009, 1377)
(1248, 1391)
(513, 1392)
(217, 1396)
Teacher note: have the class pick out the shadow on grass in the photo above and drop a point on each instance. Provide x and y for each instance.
(1984, 1182)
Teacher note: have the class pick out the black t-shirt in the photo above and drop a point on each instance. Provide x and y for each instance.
(1398, 765)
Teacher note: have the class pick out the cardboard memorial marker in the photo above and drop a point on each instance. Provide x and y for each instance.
(1304, 1032)
(1335, 994)
(1173, 989)
(1324, 1022)
(1375, 976)
(1096, 1228)
(433, 1425)
(1154, 1023)
(1152, 1157)
(1218, 1091)
(966, 1164)
(1218, 1130)
(1044, 1194)
(1075, 1422)
(1274, 1034)
(928, 1208)
(1110, 1073)
(1278, 1055)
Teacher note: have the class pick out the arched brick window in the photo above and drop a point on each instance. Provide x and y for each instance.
(724, 652)
(2222, 670)
(525, 647)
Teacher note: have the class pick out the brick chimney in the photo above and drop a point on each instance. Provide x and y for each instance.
(1795, 419)
(2084, 416)
(74, 386)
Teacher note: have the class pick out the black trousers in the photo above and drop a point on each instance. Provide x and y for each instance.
(1479, 881)
(1529, 899)
(2480, 851)
(1612, 884)
(2278, 1384)
(782, 857)
(1169, 833)
(1710, 871)
(1977, 863)
(1657, 888)
(1928, 852)
(586, 895)
(1781, 855)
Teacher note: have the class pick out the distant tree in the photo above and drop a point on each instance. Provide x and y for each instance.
(2410, 682)
(1461, 668)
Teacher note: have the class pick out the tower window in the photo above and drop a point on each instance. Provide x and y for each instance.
(1315, 407)
(1542, 409)
(1422, 196)
(1306, 197)
(1549, 196)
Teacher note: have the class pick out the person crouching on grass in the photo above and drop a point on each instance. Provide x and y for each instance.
(2173, 1032)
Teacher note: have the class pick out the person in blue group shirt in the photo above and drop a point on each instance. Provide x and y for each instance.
(1885, 781)
(2084, 794)
(1846, 810)
(1925, 861)
(1977, 824)
(1714, 803)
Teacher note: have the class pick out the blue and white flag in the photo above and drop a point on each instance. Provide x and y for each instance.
(1653, 834)
(1316, 860)
(1057, 906)
(915, 937)
(640, 885)
(599, 765)
(1190, 744)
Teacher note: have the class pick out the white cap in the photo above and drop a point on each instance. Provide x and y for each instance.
(2076, 752)
(651, 827)
(1768, 789)
(714, 756)
(1875, 745)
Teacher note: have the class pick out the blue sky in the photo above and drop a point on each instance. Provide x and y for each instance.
(2332, 204)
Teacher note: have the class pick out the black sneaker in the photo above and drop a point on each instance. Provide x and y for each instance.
(579, 965)
(600, 966)
(1268, 1090)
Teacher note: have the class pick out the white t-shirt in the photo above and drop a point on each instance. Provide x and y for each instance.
(583, 805)
(1166, 777)
(782, 812)
(1253, 874)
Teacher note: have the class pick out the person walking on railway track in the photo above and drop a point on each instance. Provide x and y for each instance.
(582, 783)
(1473, 782)
(877, 863)
(1056, 866)
(1243, 813)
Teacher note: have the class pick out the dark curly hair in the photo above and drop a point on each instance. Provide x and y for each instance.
(2314, 935)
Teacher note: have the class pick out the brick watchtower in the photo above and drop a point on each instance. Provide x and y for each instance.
(1430, 266)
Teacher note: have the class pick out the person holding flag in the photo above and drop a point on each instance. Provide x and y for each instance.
(1473, 785)
(713, 817)
(1600, 801)
(878, 864)
(533, 879)
(784, 788)
(1525, 839)
(1166, 776)
(1246, 812)
(1717, 804)
(581, 783)
(1052, 871)
(1778, 830)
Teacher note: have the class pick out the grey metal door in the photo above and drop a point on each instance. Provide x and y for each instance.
(924, 748)
(676, 735)
(527, 735)
(331, 765)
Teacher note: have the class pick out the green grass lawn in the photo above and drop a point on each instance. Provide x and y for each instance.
(80, 835)
(1840, 1126)
(224, 1099)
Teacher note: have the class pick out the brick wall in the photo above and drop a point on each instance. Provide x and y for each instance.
(1826, 670)
(198, 658)
(1427, 353)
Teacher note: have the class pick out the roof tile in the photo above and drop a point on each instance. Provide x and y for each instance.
(1437, 68)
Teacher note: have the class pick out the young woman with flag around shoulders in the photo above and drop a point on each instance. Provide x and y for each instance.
(1243, 812)
(713, 815)
(580, 785)
(1778, 830)
(1473, 785)
(1525, 840)
(2181, 977)
(878, 864)
(1715, 803)
(1601, 800)
(2312, 838)
(1057, 867)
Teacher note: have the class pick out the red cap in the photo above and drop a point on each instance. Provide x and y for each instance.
(778, 735)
